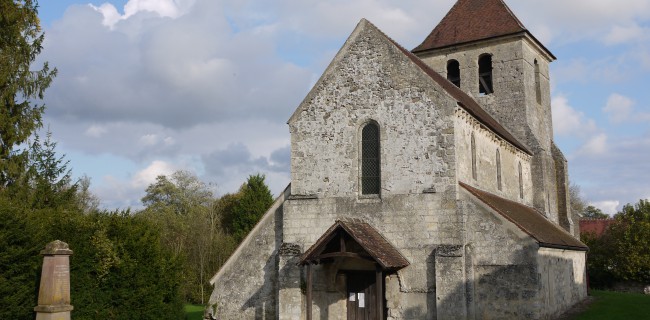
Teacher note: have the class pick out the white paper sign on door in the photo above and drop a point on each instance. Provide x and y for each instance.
(361, 300)
(353, 296)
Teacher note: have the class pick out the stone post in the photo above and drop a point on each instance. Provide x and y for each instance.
(54, 293)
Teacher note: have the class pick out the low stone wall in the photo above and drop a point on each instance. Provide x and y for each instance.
(632, 287)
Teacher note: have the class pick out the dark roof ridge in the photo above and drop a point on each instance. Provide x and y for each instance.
(464, 100)
(545, 232)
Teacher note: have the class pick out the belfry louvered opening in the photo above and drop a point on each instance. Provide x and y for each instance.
(485, 74)
(370, 160)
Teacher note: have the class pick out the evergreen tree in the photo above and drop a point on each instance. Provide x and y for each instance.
(254, 200)
(21, 41)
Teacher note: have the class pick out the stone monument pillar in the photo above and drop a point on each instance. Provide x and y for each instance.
(54, 293)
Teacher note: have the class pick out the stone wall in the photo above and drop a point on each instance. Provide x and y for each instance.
(372, 80)
(510, 276)
(486, 144)
(246, 285)
(563, 279)
(514, 102)
(502, 271)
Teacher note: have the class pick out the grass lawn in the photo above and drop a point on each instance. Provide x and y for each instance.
(193, 312)
(615, 305)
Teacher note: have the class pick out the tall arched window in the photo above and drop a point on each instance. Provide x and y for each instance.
(498, 161)
(485, 74)
(473, 146)
(370, 159)
(538, 84)
(521, 183)
(453, 72)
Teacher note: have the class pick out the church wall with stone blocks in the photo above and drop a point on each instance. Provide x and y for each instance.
(412, 198)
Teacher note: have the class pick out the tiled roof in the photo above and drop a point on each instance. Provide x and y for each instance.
(529, 221)
(595, 226)
(464, 100)
(473, 20)
(366, 236)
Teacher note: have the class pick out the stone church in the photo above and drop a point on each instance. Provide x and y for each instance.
(425, 184)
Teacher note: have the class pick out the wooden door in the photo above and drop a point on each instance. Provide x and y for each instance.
(362, 296)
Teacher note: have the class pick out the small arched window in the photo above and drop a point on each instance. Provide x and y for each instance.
(453, 72)
(498, 162)
(370, 159)
(521, 183)
(473, 146)
(538, 84)
(485, 74)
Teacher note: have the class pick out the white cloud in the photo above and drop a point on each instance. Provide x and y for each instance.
(149, 139)
(621, 109)
(618, 107)
(596, 145)
(609, 207)
(163, 8)
(109, 12)
(148, 175)
(95, 131)
(620, 34)
(570, 21)
(569, 121)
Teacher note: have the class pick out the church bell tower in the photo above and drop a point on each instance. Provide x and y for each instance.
(483, 48)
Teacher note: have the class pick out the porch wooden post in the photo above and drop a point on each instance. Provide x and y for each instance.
(379, 281)
(309, 291)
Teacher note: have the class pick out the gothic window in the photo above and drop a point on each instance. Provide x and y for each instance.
(521, 183)
(538, 84)
(498, 161)
(370, 159)
(485, 74)
(473, 146)
(453, 72)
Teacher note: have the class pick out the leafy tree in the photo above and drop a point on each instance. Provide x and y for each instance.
(183, 207)
(622, 253)
(21, 41)
(180, 193)
(593, 212)
(254, 200)
(577, 202)
(86, 200)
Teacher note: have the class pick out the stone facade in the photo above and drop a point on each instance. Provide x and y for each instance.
(468, 257)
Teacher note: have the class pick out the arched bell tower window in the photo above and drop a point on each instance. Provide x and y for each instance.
(453, 72)
(498, 162)
(521, 183)
(538, 84)
(485, 74)
(370, 160)
(473, 146)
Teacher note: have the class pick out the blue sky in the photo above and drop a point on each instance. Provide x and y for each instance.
(147, 87)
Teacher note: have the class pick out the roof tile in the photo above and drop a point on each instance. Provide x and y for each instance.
(367, 237)
(529, 220)
(471, 20)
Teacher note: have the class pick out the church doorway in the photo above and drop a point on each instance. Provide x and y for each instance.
(354, 248)
(362, 296)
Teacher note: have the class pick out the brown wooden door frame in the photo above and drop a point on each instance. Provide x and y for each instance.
(365, 287)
